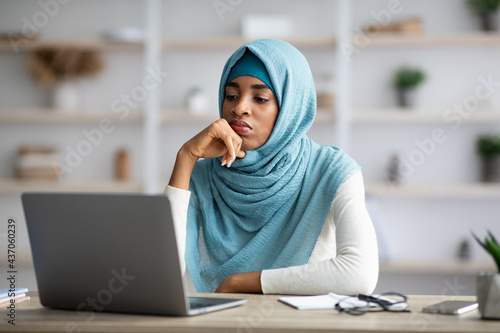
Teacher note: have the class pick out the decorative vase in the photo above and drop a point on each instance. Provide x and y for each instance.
(66, 96)
(489, 21)
(488, 294)
(491, 169)
(198, 102)
(406, 97)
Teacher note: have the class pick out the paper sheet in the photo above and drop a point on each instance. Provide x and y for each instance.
(325, 302)
(320, 302)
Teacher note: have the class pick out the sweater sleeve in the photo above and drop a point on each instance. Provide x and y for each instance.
(179, 203)
(354, 268)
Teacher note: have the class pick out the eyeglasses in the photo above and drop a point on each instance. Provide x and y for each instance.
(358, 305)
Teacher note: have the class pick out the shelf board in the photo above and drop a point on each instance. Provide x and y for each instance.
(14, 186)
(234, 42)
(373, 116)
(94, 44)
(52, 116)
(416, 116)
(169, 44)
(466, 190)
(454, 266)
(423, 40)
(183, 116)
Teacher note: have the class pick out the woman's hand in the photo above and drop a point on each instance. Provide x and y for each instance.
(218, 139)
(241, 283)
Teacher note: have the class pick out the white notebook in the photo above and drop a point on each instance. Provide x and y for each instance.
(325, 302)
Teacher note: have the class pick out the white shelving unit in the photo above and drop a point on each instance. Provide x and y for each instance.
(149, 119)
(385, 116)
(342, 119)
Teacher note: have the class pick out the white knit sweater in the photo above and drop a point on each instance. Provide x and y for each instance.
(344, 259)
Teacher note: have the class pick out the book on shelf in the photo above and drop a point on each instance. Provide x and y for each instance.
(16, 295)
(36, 162)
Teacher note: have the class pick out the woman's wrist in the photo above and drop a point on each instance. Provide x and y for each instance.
(241, 283)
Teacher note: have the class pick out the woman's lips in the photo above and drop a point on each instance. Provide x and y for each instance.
(239, 126)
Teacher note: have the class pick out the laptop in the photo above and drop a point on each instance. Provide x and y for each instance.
(109, 252)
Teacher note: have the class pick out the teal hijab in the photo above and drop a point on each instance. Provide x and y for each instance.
(268, 209)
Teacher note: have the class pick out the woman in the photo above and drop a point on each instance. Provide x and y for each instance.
(267, 209)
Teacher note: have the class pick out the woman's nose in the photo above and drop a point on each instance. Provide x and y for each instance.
(242, 108)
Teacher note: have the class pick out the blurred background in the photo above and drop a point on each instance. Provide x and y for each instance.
(98, 96)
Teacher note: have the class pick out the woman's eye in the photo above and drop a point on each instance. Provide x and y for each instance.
(231, 97)
(261, 100)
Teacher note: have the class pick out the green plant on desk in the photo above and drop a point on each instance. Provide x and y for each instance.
(491, 246)
(488, 283)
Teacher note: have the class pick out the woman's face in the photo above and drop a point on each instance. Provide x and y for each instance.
(251, 110)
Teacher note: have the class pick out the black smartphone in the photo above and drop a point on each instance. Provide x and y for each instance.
(451, 307)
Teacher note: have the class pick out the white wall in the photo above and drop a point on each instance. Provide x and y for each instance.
(414, 228)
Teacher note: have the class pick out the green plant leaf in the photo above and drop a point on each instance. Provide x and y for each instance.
(491, 245)
(484, 6)
(492, 237)
(479, 241)
(494, 250)
(406, 77)
(488, 146)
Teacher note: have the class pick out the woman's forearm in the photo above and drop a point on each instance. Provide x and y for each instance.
(241, 283)
(183, 168)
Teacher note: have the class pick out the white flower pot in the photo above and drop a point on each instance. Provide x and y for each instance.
(66, 96)
(489, 21)
(488, 294)
(406, 97)
(198, 102)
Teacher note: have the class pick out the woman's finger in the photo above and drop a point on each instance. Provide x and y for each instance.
(231, 142)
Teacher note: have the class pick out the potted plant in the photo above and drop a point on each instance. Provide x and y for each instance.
(488, 283)
(487, 11)
(60, 68)
(488, 147)
(406, 79)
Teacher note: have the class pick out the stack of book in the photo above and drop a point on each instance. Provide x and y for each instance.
(36, 162)
(18, 295)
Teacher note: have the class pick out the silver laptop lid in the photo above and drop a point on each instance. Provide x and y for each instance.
(105, 252)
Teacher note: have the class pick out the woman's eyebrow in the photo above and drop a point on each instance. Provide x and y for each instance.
(259, 86)
(253, 86)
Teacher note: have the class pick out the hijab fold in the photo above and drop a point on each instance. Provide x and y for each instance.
(268, 209)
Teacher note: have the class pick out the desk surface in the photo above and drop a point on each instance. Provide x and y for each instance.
(262, 313)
